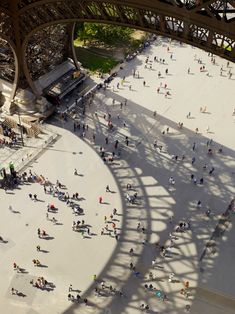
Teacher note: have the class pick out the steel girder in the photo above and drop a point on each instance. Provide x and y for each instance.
(47, 48)
(7, 62)
(207, 24)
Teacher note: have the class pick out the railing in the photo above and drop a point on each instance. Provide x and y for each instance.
(22, 158)
(37, 150)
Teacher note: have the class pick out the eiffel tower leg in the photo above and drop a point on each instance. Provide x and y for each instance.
(22, 76)
(72, 52)
(50, 46)
(11, 72)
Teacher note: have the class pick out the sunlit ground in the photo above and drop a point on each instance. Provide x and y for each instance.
(75, 260)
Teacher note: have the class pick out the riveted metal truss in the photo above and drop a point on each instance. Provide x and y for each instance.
(6, 27)
(47, 48)
(207, 24)
(7, 62)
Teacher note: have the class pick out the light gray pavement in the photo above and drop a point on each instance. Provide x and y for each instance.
(21, 156)
(69, 256)
(74, 260)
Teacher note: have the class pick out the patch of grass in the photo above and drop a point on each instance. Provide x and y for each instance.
(78, 42)
(94, 62)
(229, 48)
(135, 43)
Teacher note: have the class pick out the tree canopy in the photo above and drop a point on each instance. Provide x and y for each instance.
(105, 33)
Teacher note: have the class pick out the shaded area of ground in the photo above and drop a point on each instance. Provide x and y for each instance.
(94, 61)
(148, 170)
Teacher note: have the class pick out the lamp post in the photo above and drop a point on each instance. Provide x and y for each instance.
(21, 131)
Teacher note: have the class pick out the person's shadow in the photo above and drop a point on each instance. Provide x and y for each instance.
(44, 251)
(4, 241)
(15, 212)
(21, 294)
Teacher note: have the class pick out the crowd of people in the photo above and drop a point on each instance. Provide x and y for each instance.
(115, 147)
(112, 148)
(10, 137)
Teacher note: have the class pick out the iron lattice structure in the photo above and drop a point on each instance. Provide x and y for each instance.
(35, 35)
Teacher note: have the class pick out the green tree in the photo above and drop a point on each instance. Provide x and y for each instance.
(105, 33)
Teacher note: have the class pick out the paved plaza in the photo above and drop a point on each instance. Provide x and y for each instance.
(171, 130)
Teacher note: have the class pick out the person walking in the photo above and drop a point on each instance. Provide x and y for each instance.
(211, 171)
(83, 233)
(199, 204)
(186, 284)
(171, 276)
(171, 181)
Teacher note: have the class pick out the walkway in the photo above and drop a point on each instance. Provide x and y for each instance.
(74, 260)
